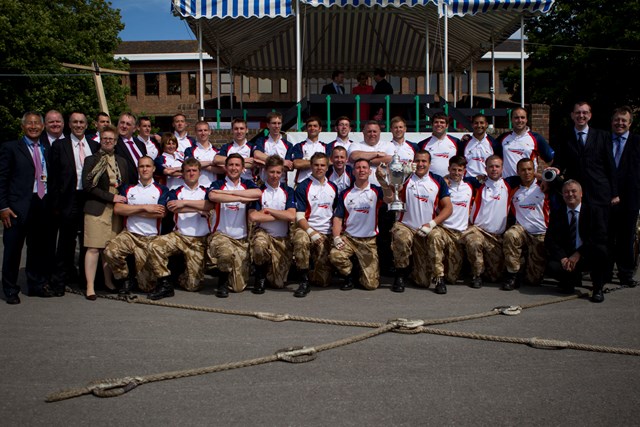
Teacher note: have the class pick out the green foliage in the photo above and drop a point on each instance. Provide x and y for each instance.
(587, 50)
(36, 36)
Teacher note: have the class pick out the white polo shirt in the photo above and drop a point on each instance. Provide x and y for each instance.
(203, 155)
(530, 205)
(244, 150)
(491, 205)
(304, 150)
(343, 181)
(151, 194)
(191, 224)
(528, 145)
(461, 194)
(317, 201)
(152, 150)
(476, 152)
(441, 151)
(406, 150)
(382, 146)
(279, 198)
(421, 197)
(271, 147)
(166, 160)
(183, 142)
(359, 209)
(231, 217)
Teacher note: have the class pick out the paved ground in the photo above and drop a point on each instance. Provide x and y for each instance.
(393, 379)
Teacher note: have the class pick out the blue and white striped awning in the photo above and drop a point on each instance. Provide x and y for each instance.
(232, 8)
(472, 7)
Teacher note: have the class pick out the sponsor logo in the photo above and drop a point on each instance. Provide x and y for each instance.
(424, 199)
(518, 152)
(528, 207)
(323, 206)
(462, 204)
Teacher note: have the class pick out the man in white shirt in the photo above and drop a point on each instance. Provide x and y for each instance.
(192, 217)
(273, 213)
(340, 173)
(478, 146)
(441, 146)
(180, 125)
(144, 135)
(300, 154)
(404, 149)
(241, 146)
(129, 146)
(275, 143)
(102, 120)
(229, 245)
(205, 153)
(343, 128)
(371, 149)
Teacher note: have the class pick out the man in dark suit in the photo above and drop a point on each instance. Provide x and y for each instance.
(383, 87)
(625, 148)
(336, 86)
(129, 147)
(53, 126)
(571, 249)
(24, 212)
(67, 198)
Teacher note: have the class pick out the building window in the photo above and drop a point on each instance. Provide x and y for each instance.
(174, 85)
(207, 84)
(246, 85)
(284, 86)
(225, 83)
(193, 79)
(152, 84)
(465, 83)
(133, 84)
(264, 86)
(483, 82)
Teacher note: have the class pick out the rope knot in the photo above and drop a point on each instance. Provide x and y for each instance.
(508, 310)
(115, 387)
(274, 317)
(406, 324)
(545, 344)
(297, 354)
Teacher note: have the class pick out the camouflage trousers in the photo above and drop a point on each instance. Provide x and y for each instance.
(303, 249)
(273, 251)
(123, 245)
(231, 256)
(408, 248)
(445, 253)
(366, 250)
(515, 239)
(484, 251)
(174, 243)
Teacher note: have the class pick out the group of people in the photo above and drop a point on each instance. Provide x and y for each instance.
(136, 201)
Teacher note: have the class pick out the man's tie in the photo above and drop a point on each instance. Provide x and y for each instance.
(573, 230)
(618, 150)
(37, 161)
(134, 150)
(82, 154)
(581, 138)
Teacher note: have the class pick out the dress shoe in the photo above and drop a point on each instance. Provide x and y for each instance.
(13, 300)
(597, 295)
(476, 282)
(441, 287)
(303, 289)
(163, 289)
(44, 292)
(91, 297)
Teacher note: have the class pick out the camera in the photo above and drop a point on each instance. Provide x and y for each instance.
(549, 175)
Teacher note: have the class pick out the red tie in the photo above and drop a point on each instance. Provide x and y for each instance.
(134, 150)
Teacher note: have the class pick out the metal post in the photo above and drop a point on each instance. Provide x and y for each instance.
(522, 61)
(493, 79)
(471, 80)
(298, 55)
(218, 75)
(446, 52)
(200, 59)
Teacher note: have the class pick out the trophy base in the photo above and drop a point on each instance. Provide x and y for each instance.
(396, 207)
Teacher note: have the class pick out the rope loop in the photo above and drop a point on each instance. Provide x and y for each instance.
(274, 317)
(508, 310)
(545, 344)
(297, 354)
(115, 387)
(406, 324)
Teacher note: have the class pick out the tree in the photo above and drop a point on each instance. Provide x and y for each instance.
(36, 36)
(587, 50)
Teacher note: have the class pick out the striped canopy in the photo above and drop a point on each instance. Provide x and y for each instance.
(352, 35)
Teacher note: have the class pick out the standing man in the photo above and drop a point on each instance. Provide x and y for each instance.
(66, 159)
(205, 153)
(300, 154)
(478, 146)
(143, 215)
(191, 212)
(403, 148)
(102, 120)
(315, 200)
(180, 131)
(144, 135)
(273, 213)
(129, 147)
(530, 207)
(336, 86)
(521, 143)
(441, 146)
(569, 246)
(240, 146)
(343, 128)
(24, 211)
(427, 205)
(624, 215)
(229, 246)
(273, 144)
(340, 173)
(354, 230)
(53, 126)
(383, 87)
(371, 149)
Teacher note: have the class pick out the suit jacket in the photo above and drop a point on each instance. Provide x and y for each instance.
(591, 165)
(99, 196)
(62, 177)
(383, 87)
(123, 151)
(330, 89)
(628, 173)
(17, 176)
(557, 239)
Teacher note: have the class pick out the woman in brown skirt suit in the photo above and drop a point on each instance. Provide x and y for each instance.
(102, 175)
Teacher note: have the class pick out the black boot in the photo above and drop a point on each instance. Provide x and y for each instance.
(347, 282)
(441, 287)
(304, 287)
(260, 281)
(222, 291)
(597, 295)
(126, 286)
(511, 282)
(163, 289)
(398, 282)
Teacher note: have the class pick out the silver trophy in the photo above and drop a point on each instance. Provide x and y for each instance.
(397, 174)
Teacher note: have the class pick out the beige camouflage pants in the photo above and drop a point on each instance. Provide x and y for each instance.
(406, 247)
(366, 251)
(231, 256)
(515, 239)
(175, 243)
(123, 245)
(303, 249)
(445, 253)
(274, 251)
(484, 251)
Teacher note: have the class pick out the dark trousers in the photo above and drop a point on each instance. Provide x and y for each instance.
(70, 231)
(567, 279)
(36, 230)
(386, 219)
(622, 233)
(598, 218)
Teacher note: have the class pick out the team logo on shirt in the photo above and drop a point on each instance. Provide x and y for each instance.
(478, 159)
(531, 207)
(518, 152)
(495, 197)
(232, 207)
(424, 199)
(461, 204)
(323, 206)
(443, 155)
(362, 209)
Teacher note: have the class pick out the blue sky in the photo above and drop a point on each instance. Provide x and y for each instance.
(150, 20)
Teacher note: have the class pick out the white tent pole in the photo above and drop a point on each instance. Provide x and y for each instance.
(427, 76)
(218, 72)
(493, 74)
(471, 80)
(232, 91)
(241, 90)
(201, 67)
(446, 52)
(298, 55)
(522, 61)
